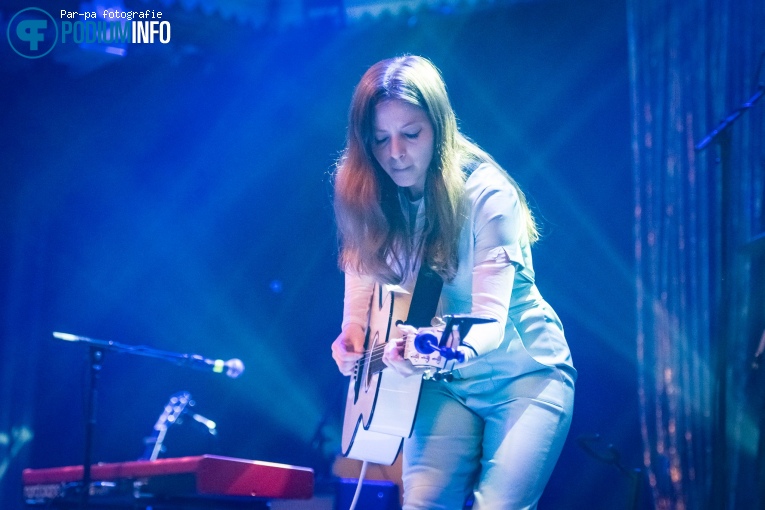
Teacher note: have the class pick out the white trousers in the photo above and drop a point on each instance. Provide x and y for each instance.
(493, 436)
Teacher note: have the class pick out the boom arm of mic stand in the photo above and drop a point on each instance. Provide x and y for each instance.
(139, 350)
(730, 119)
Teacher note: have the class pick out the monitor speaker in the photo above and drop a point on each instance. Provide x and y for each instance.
(375, 495)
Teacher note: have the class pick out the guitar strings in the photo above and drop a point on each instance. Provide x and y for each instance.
(372, 359)
(376, 355)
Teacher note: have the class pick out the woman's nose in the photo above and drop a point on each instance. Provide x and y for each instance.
(397, 148)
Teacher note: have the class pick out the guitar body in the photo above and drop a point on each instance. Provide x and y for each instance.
(380, 406)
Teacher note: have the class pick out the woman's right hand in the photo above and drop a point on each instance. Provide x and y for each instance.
(348, 348)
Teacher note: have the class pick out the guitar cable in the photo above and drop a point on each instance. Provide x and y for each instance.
(358, 486)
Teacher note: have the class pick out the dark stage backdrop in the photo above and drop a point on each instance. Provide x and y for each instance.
(178, 197)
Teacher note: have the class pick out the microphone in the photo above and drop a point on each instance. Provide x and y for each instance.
(234, 367)
(68, 337)
(211, 425)
(427, 343)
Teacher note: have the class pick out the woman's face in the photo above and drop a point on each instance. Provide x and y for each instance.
(403, 144)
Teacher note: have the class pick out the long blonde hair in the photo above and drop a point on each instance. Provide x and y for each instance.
(371, 226)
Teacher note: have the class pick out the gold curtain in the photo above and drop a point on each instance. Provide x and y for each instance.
(692, 64)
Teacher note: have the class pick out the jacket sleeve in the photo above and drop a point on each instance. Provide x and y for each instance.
(358, 292)
(498, 228)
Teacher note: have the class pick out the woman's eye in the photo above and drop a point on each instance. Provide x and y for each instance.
(412, 136)
(380, 141)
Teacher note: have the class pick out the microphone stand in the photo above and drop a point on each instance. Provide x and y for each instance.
(589, 443)
(97, 349)
(722, 135)
(96, 357)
